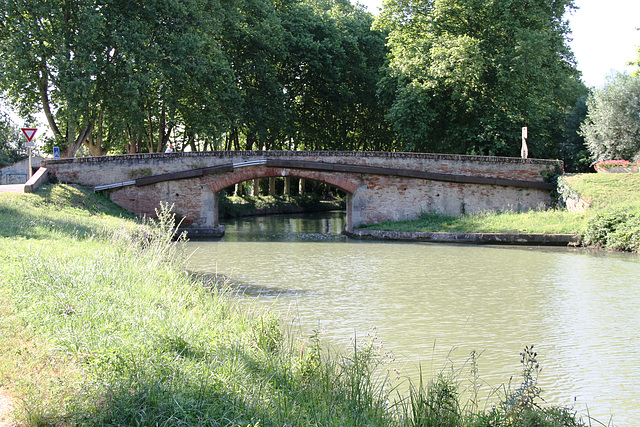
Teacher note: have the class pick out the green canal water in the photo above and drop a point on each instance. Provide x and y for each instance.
(431, 305)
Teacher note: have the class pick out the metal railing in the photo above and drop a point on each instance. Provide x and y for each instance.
(110, 186)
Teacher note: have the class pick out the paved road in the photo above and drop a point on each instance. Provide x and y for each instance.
(12, 188)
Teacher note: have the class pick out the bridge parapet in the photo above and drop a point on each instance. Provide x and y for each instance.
(380, 186)
(111, 169)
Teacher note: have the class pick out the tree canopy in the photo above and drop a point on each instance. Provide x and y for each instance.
(465, 75)
(125, 76)
(12, 144)
(106, 74)
(612, 127)
(458, 76)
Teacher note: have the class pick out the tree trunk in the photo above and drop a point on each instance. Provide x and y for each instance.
(95, 146)
(250, 140)
(272, 186)
(95, 143)
(43, 84)
(149, 139)
(83, 135)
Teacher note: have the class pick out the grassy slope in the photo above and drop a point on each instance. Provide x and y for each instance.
(101, 325)
(605, 191)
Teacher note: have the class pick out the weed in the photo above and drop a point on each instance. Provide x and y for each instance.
(615, 229)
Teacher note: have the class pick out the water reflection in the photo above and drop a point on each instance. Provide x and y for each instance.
(432, 303)
(321, 226)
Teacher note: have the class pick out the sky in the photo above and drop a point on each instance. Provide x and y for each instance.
(604, 36)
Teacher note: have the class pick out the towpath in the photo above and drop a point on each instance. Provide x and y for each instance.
(5, 408)
(12, 188)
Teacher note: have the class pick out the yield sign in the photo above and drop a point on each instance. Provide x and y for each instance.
(29, 133)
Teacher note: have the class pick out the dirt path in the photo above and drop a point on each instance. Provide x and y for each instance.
(5, 408)
(12, 188)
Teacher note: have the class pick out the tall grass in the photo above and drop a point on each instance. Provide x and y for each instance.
(102, 325)
(114, 331)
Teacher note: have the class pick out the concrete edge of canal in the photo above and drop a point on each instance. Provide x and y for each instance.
(479, 238)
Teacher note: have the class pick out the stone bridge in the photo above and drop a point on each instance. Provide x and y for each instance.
(380, 186)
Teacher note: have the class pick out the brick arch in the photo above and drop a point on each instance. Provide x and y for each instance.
(345, 182)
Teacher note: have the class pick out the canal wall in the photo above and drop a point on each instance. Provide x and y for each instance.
(534, 239)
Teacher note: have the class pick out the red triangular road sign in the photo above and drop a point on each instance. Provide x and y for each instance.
(29, 133)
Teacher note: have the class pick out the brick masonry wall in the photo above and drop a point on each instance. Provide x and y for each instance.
(372, 198)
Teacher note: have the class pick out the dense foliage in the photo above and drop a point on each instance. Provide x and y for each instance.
(127, 76)
(466, 75)
(457, 76)
(612, 127)
(11, 142)
(617, 229)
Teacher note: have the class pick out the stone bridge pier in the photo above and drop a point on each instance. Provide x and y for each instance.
(379, 186)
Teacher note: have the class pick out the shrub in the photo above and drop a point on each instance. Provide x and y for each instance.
(618, 229)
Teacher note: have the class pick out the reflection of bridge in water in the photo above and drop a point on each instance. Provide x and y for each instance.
(380, 186)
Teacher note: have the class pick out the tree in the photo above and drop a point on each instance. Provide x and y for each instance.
(103, 72)
(612, 127)
(571, 148)
(253, 40)
(465, 75)
(12, 147)
(128, 77)
(330, 76)
(49, 65)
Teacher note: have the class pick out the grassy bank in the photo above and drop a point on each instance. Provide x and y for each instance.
(612, 220)
(101, 325)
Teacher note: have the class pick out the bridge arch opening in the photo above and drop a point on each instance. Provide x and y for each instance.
(283, 186)
(277, 182)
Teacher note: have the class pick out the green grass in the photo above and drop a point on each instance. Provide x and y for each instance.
(108, 329)
(100, 324)
(614, 204)
(605, 191)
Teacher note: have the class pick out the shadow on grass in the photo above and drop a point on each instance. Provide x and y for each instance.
(54, 211)
(21, 223)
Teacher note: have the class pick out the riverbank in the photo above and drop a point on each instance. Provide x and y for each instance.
(604, 213)
(100, 324)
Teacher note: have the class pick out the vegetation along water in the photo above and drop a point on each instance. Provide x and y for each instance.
(102, 324)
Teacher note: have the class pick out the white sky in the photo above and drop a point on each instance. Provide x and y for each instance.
(604, 36)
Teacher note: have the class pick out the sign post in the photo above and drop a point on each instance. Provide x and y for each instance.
(29, 133)
(524, 151)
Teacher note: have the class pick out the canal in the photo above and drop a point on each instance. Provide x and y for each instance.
(433, 304)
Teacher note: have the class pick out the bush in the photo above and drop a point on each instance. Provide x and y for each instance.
(618, 230)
